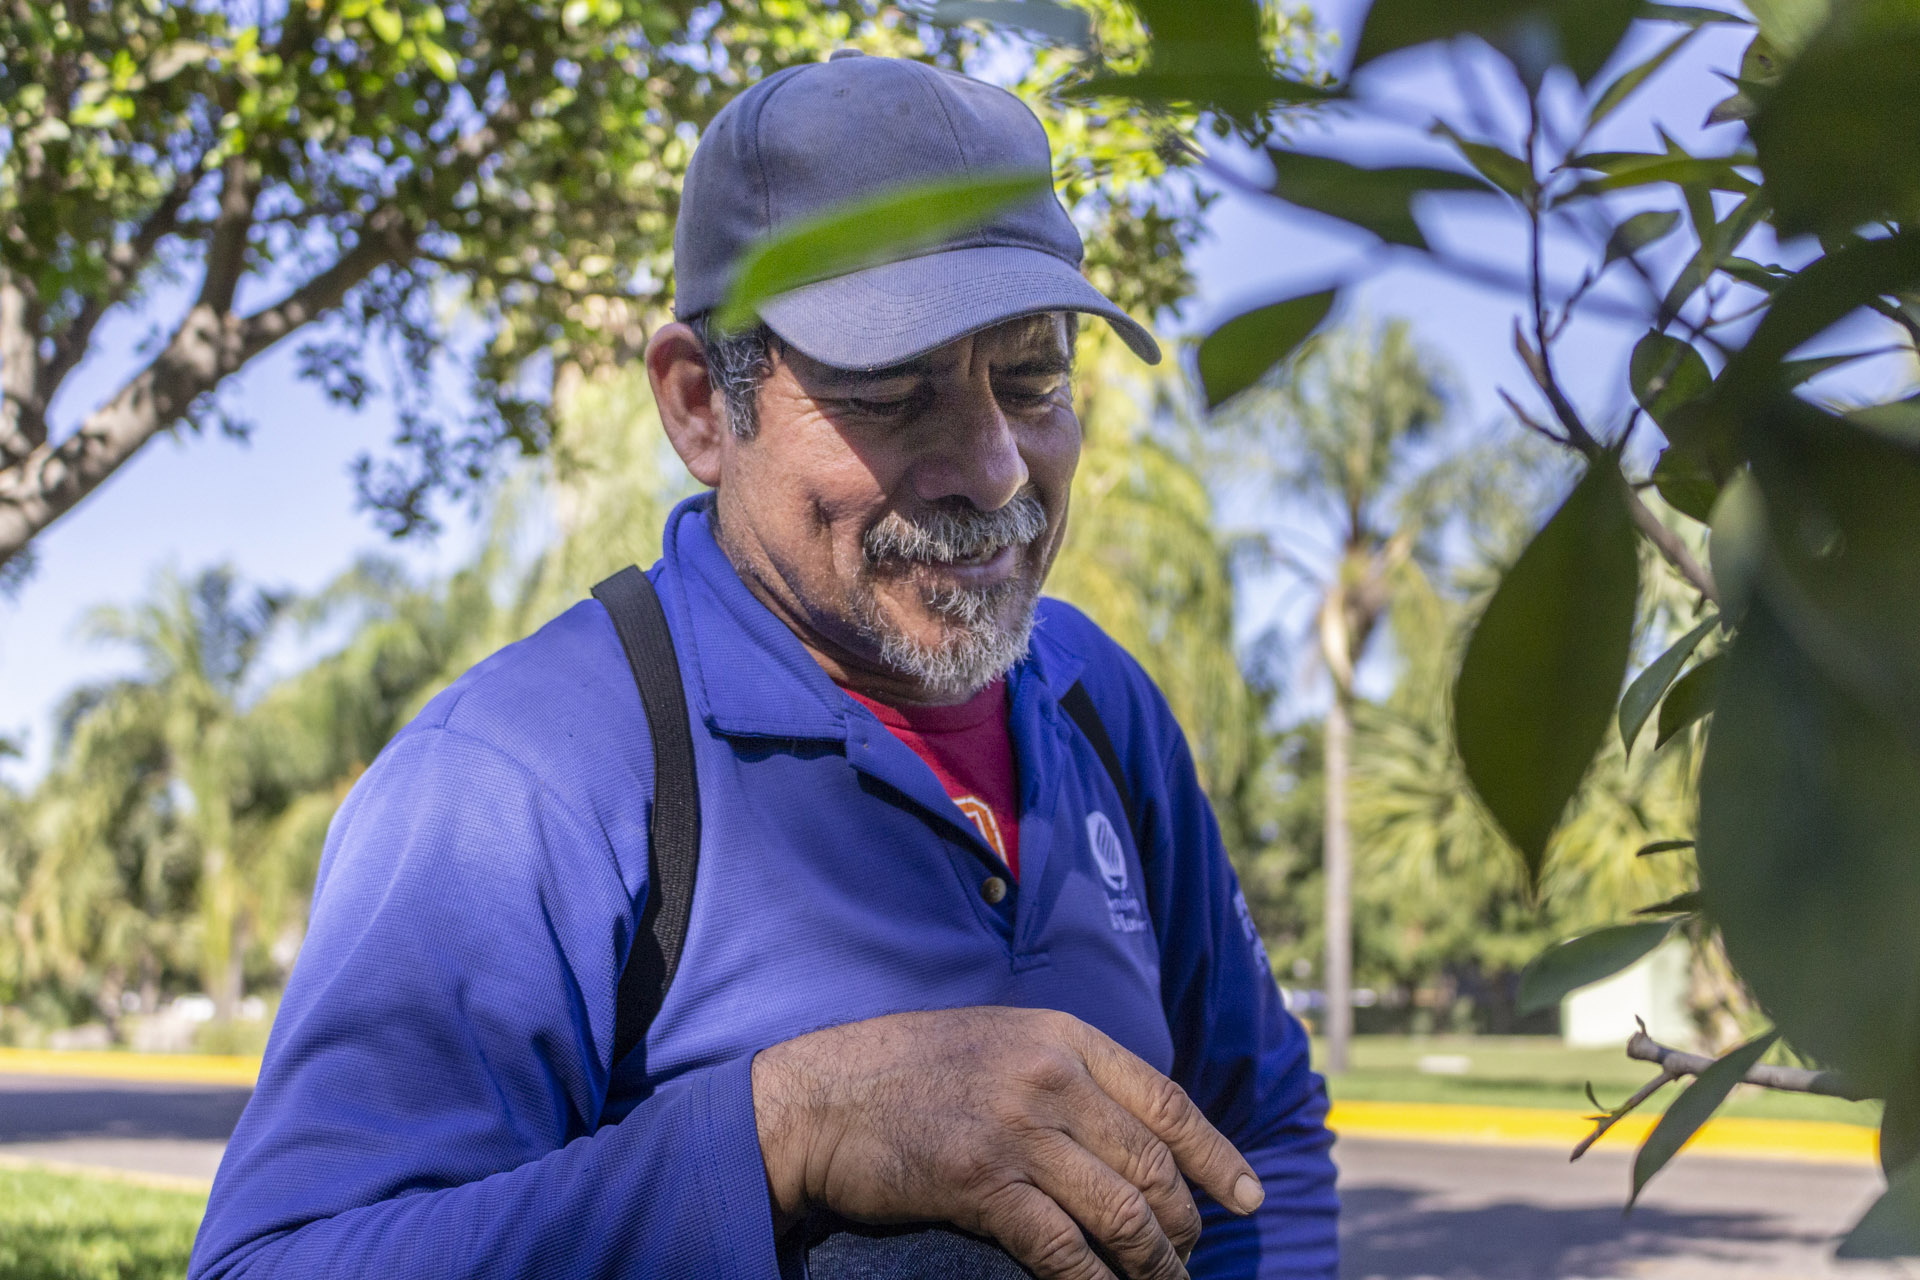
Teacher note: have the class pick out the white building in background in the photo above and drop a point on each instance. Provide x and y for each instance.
(1654, 989)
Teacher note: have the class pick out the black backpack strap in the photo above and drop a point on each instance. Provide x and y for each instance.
(674, 848)
(1078, 704)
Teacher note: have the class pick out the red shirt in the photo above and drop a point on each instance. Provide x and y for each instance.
(969, 750)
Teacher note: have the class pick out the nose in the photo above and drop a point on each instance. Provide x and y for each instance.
(974, 454)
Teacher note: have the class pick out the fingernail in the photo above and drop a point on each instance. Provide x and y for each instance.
(1248, 1193)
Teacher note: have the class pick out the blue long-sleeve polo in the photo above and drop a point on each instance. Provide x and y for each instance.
(436, 1098)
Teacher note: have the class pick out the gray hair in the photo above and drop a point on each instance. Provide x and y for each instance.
(737, 365)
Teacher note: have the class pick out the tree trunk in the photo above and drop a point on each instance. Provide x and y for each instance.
(1337, 848)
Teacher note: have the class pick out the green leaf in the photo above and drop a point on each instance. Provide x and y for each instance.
(1808, 820)
(1692, 15)
(1690, 700)
(1244, 95)
(1789, 23)
(1693, 1108)
(1839, 136)
(1380, 200)
(1736, 544)
(438, 59)
(1239, 352)
(1621, 170)
(1545, 662)
(1650, 685)
(1633, 77)
(867, 232)
(1687, 482)
(1680, 904)
(1058, 22)
(1639, 231)
(1535, 34)
(1795, 372)
(1720, 242)
(1504, 170)
(385, 23)
(1666, 373)
(1661, 846)
(1563, 969)
(1891, 1227)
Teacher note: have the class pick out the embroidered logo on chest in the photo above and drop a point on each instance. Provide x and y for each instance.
(1124, 911)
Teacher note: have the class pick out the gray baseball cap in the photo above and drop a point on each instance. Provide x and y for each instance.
(812, 137)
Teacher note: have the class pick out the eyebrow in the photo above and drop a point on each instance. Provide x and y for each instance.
(1049, 364)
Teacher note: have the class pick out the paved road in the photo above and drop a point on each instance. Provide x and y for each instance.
(1414, 1211)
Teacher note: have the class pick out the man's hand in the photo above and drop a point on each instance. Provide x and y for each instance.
(1021, 1124)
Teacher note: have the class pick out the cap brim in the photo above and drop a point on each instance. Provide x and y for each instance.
(894, 312)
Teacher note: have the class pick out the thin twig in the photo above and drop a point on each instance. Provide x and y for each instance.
(1607, 1121)
(1673, 1063)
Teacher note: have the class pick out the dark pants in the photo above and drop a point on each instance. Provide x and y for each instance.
(848, 1251)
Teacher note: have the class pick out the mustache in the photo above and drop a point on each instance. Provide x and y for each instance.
(948, 534)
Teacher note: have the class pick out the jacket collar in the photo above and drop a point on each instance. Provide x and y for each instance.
(746, 673)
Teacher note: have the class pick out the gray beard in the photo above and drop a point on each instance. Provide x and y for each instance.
(990, 628)
(978, 650)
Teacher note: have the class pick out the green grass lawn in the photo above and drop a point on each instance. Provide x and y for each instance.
(64, 1226)
(1538, 1071)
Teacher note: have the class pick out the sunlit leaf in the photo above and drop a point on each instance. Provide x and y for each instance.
(1691, 14)
(1680, 904)
(1689, 701)
(1644, 694)
(1639, 231)
(1380, 200)
(1239, 352)
(1244, 95)
(1563, 969)
(1545, 662)
(1789, 23)
(1693, 1108)
(867, 232)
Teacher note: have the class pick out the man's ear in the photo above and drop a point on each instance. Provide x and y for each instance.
(693, 413)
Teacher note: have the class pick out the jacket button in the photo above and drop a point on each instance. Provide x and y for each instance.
(993, 889)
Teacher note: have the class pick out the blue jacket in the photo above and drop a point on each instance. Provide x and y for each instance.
(436, 1099)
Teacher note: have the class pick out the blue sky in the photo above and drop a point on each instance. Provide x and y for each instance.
(281, 508)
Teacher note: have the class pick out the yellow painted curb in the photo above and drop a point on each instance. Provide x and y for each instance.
(174, 1068)
(1815, 1141)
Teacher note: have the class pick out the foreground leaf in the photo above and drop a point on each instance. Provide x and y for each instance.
(1240, 352)
(1666, 373)
(1661, 846)
(1579, 962)
(865, 233)
(1693, 1108)
(1545, 662)
(1680, 904)
(1891, 1228)
(1808, 820)
(1644, 694)
(1580, 34)
(1042, 17)
(1689, 701)
(1639, 231)
(1380, 200)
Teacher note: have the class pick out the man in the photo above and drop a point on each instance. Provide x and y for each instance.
(935, 972)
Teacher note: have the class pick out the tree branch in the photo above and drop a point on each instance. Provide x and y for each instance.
(1829, 1084)
(206, 347)
(124, 264)
(1613, 1117)
(23, 406)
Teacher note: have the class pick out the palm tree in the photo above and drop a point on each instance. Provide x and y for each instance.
(1348, 435)
(198, 639)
